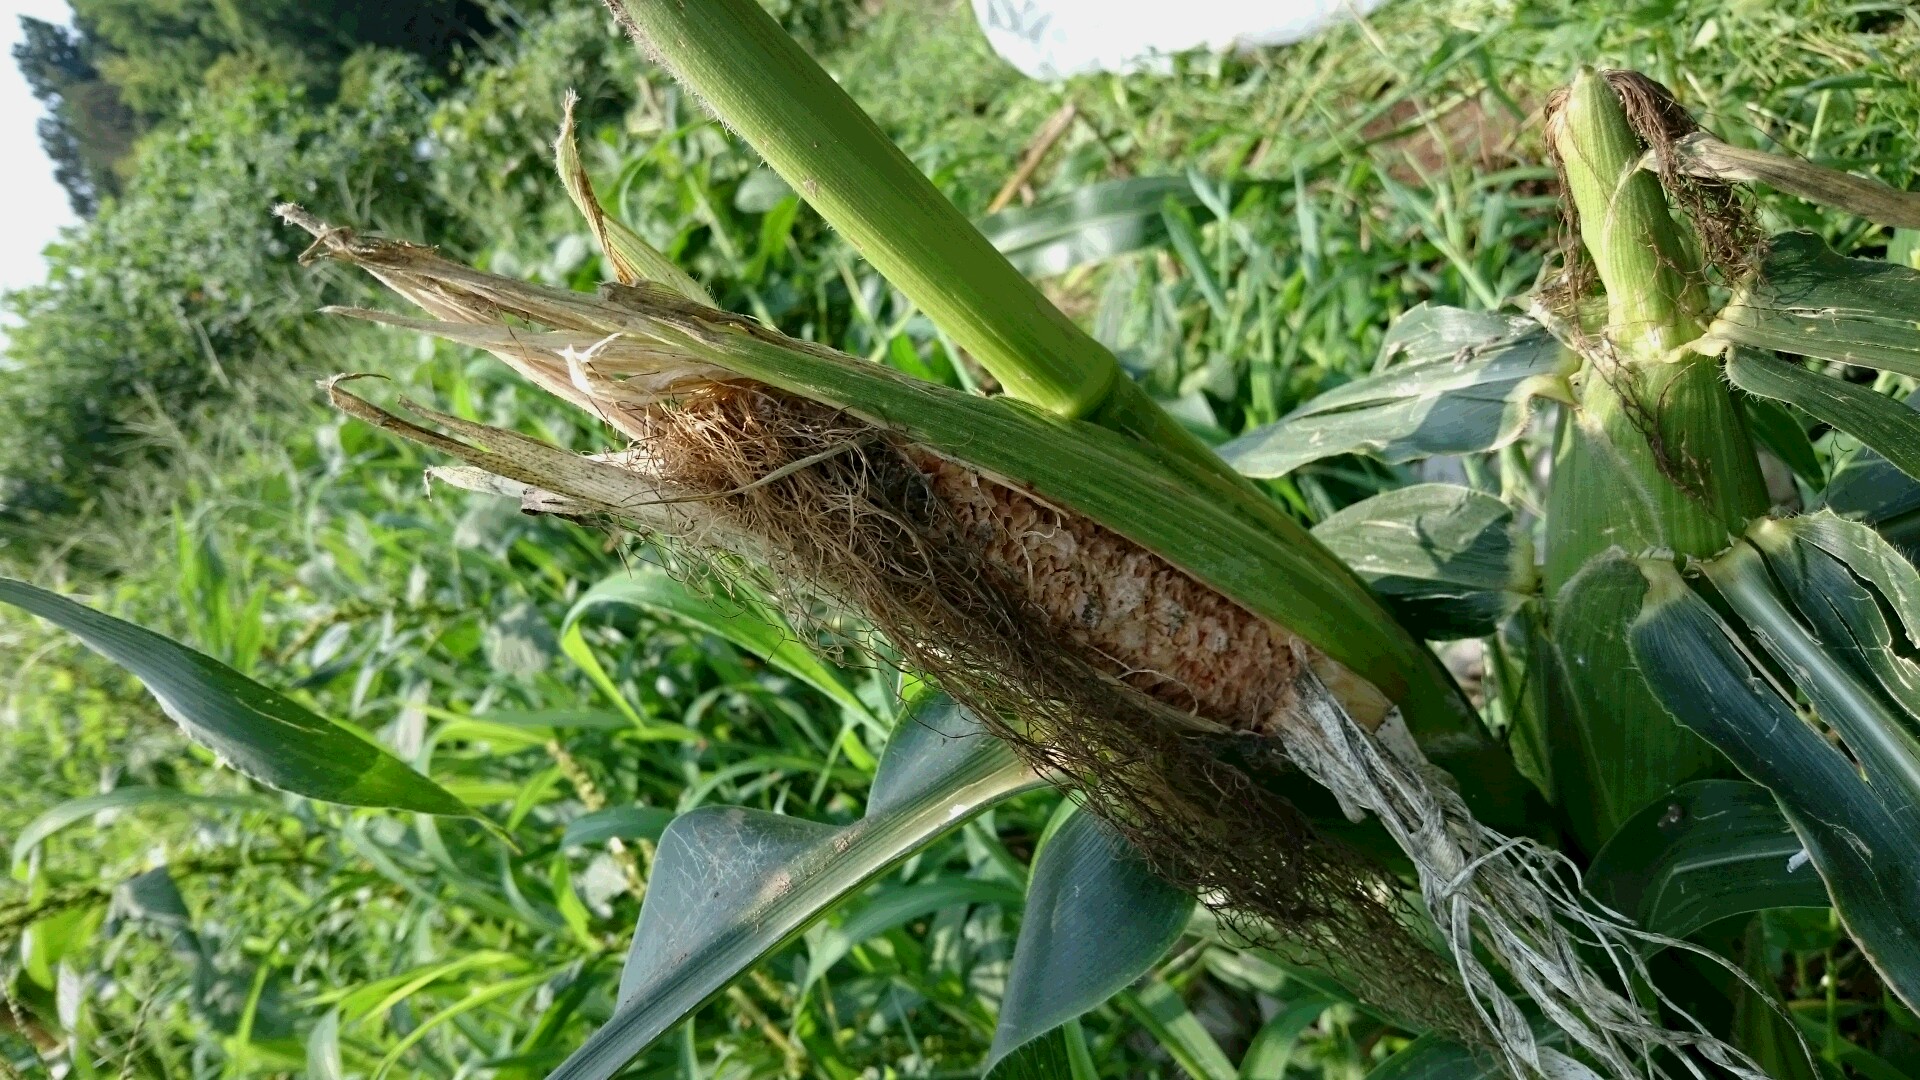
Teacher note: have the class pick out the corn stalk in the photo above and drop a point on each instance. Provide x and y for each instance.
(1654, 455)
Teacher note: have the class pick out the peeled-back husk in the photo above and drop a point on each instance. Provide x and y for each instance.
(1168, 708)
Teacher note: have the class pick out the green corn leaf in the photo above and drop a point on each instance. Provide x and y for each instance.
(616, 822)
(1711, 849)
(1451, 562)
(1808, 301)
(74, 811)
(1096, 920)
(1856, 821)
(261, 732)
(1461, 381)
(1612, 746)
(1875, 419)
(731, 885)
(1088, 225)
(733, 615)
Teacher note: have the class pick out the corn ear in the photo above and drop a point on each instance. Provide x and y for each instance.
(1647, 271)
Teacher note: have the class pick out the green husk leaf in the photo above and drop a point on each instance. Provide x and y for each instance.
(1650, 276)
(1808, 301)
(1466, 382)
(1877, 420)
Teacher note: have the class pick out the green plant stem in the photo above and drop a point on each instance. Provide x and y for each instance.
(1653, 456)
(767, 89)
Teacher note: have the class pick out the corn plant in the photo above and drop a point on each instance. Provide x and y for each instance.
(1708, 707)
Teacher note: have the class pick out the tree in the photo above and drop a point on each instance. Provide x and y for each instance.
(87, 129)
(126, 65)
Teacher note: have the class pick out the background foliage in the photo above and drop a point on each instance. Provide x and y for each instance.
(168, 459)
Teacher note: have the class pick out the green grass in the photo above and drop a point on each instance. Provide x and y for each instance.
(1350, 179)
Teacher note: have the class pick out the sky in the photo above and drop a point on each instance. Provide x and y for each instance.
(34, 206)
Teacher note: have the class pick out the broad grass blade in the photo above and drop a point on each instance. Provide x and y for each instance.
(735, 615)
(1089, 225)
(1160, 1009)
(74, 811)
